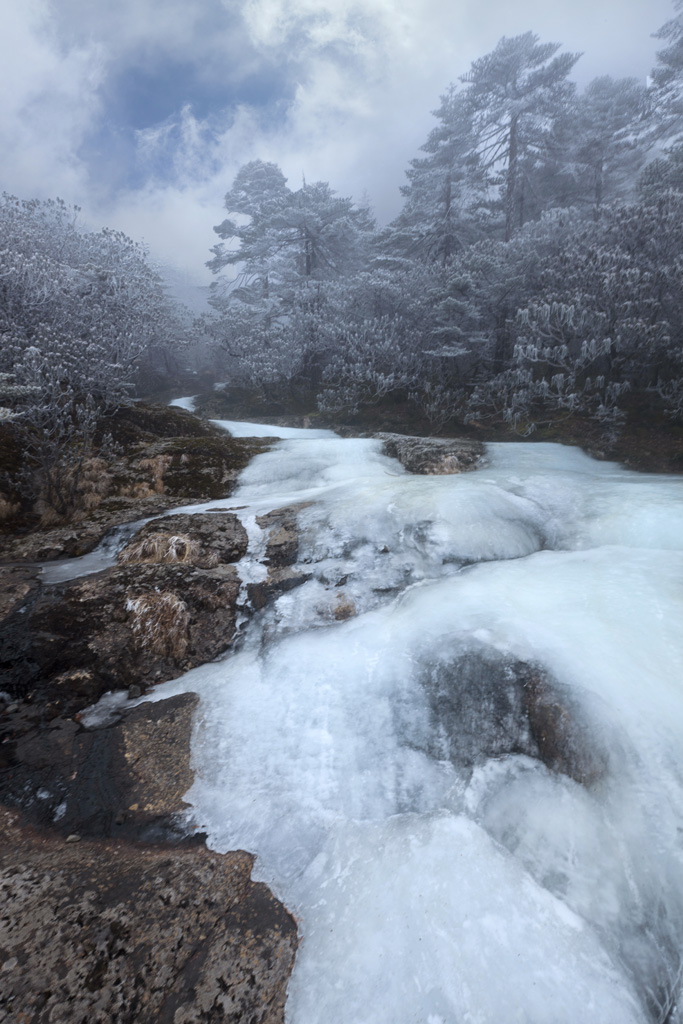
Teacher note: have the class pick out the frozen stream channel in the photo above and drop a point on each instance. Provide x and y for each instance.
(440, 872)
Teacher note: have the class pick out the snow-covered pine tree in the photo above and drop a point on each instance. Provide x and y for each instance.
(515, 95)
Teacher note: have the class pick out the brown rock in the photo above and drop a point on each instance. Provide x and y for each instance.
(105, 931)
(282, 543)
(127, 625)
(155, 744)
(432, 456)
(205, 540)
(194, 468)
(278, 581)
(564, 741)
(344, 608)
(74, 541)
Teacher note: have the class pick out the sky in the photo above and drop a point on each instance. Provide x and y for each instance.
(142, 111)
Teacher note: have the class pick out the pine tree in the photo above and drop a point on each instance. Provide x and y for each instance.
(607, 153)
(515, 95)
(667, 79)
(446, 193)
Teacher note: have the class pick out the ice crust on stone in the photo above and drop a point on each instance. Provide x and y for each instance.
(430, 888)
(101, 557)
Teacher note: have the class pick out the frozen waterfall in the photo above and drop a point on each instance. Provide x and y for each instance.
(383, 769)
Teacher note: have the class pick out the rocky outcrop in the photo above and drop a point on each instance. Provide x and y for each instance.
(132, 624)
(203, 540)
(102, 932)
(151, 479)
(106, 929)
(432, 456)
(193, 468)
(486, 706)
(78, 539)
(123, 778)
(170, 605)
(282, 535)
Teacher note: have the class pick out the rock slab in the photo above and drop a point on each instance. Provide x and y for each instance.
(99, 932)
(432, 456)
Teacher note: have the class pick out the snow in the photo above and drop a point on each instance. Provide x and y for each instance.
(238, 428)
(428, 888)
(184, 403)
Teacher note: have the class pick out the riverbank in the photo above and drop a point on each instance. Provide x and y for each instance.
(116, 909)
(646, 440)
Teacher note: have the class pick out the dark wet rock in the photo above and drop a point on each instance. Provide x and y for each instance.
(19, 589)
(565, 741)
(18, 584)
(278, 581)
(103, 931)
(204, 540)
(282, 541)
(484, 705)
(124, 779)
(432, 456)
(135, 624)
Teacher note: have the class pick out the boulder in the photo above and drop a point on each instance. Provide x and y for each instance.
(203, 540)
(282, 534)
(131, 624)
(432, 456)
(484, 705)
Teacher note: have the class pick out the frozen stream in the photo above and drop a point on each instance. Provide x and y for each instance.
(440, 872)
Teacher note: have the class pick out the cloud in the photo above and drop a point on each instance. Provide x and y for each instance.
(49, 98)
(142, 111)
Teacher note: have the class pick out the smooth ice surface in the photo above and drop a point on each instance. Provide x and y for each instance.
(184, 403)
(434, 885)
(99, 558)
(238, 428)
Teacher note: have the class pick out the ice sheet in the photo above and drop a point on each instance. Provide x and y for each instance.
(428, 887)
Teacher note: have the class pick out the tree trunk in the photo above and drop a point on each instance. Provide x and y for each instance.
(511, 180)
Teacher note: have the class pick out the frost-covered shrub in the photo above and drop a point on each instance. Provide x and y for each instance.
(78, 310)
